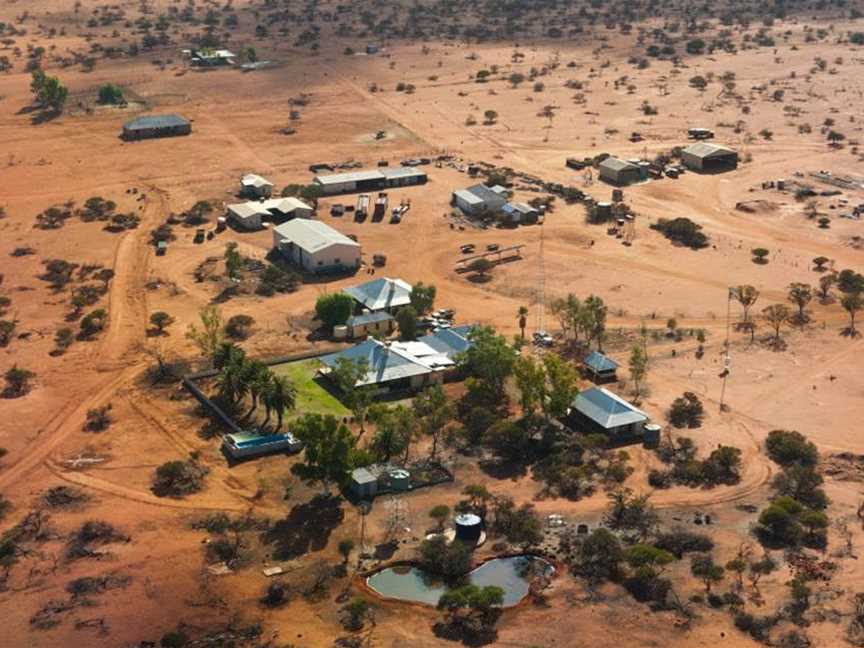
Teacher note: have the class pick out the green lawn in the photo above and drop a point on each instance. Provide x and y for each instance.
(311, 397)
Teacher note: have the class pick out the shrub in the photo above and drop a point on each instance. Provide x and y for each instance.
(98, 419)
(686, 411)
(239, 327)
(178, 478)
(786, 447)
(680, 541)
(334, 309)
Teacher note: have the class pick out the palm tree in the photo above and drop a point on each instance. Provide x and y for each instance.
(232, 386)
(227, 353)
(256, 375)
(523, 319)
(281, 395)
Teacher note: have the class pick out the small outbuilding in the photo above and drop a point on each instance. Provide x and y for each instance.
(150, 126)
(316, 247)
(480, 199)
(381, 322)
(250, 215)
(520, 213)
(600, 367)
(254, 186)
(384, 294)
(364, 483)
(709, 158)
(598, 410)
(620, 172)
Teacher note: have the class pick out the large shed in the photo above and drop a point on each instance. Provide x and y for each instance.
(316, 247)
(709, 158)
(369, 180)
(156, 126)
(480, 199)
(250, 215)
(620, 172)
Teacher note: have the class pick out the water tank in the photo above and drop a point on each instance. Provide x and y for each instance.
(468, 527)
(340, 332)
(604, 210)
(400, 480)
(651, 435)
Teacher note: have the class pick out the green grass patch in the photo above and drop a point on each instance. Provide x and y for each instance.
(311, 396)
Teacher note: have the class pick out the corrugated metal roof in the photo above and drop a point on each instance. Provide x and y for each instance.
(706, 150)
(522, 208)
(599, 362)
(368, 174)
(607, 409)
(385, 363)
(254, 180)
(247, 209)
(155, 121)
(467, 197)
(402, 172)
(369, 318)
(616, 164)
(380, 294)
(450, 341)
(312, 235)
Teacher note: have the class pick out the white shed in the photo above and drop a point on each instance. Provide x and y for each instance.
(254, 186)
(248, 215)
(316, 247)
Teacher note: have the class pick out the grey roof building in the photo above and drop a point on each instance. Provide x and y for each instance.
(156, 126)
(709, 158)
(600, 366)
(599, 410)
(369, 180)
(381, 294)
(316, 247)
(254, 186)
(480, 199)
(620, 172)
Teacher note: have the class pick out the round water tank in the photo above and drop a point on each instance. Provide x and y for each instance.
(340, 332)
(651, 435)
(468, 527)
(400, 480)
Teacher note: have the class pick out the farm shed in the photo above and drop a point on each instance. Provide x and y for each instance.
(362, 325)
(520, 213)
(382, 294)
(315, 247)
(370, 180)
(254, 186)
(156, 126)
(601, 368)
(479, 199)
(250, 215)
(598, 410)
(620, 172)
(709, 158)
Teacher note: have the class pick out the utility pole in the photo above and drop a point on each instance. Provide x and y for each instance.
(541, 289)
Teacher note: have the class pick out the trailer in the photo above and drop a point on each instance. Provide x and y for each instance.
(361, 211)
(381, 204)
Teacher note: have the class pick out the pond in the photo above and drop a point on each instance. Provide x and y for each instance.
(413, 584)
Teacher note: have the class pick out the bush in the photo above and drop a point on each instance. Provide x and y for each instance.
(334, 309)
(450, 562)
(682, 231)
(98, 419)
(686, 411)
(178, 478)
(787, 447)
(239, 327)
(680, 541)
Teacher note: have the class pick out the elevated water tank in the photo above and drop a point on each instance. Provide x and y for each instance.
(468, 527)
(400, 480)
(340, 332)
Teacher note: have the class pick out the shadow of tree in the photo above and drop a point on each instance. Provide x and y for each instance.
(306, 528)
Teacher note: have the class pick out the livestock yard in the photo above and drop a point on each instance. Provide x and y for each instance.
(411, 240)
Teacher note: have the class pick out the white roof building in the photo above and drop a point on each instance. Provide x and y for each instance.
(316, 247)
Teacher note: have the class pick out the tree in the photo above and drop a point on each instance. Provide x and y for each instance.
(835, 138)
(481, 267)
(802, 483)
(233, 261)
(530, 379)
(849, 281)
(776, 315)
(819, 263)
(433, 411)
(522, 316)
(490, 360)
(747, 297)
(449, 561)
(600, 556)
(705, 569)
(396, 427)
(328, 450)
(440, 513)
(778, 523)
(561, 386)
(787, 448)
(649, 559)
(211, 334)
(112, 94)
(49, 91)
(800, 294)
(350, 375)
(423, 297)
(516, 78)
(568, 310)
(593, 320)
(628, 511)
(280, 395)
(638, 367)
(18, 382)
(760, 255)
(686, 411)
(334, 309)
(825, 284)
(723, 465)
(94, 322)
(490, 116)
(406, 318)
(346, 546)
(160, 321)
(852, 303)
